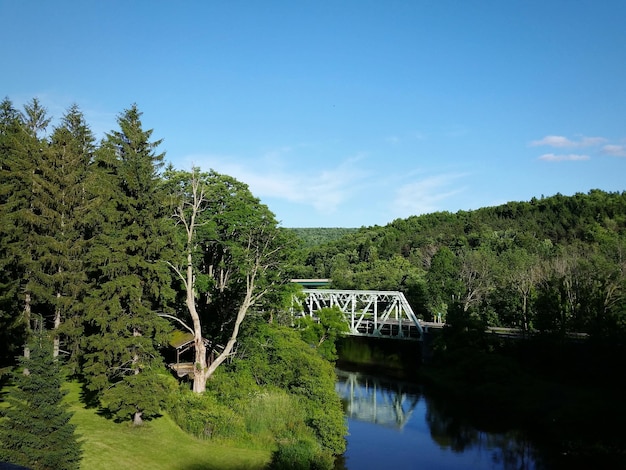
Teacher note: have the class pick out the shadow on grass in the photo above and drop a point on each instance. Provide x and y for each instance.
(212, 467)
(88, 398)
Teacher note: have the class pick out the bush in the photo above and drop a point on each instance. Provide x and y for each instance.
(277, 415)
(301, 455)
(278, 390)
(291, 365)
(204, 417)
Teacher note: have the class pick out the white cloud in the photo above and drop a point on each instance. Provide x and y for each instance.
(614, 150)
(424, 196)
(551, 157)
(560, 141)
(273, 177)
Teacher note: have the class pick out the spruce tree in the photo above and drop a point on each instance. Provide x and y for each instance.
(22, 151)
(11, 327)
(132, 281)
(36, 431)
(60, 206)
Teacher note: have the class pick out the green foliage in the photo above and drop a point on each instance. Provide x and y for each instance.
(276, 356)
(322, 332)
(36, 431)
(236, 250)
(60, 206)
(21, 152)
(86, 237)
(320, 235)
(145, 394)
(126, 263)
(203, 416)
(552, 264)
(301, 455)
(276, 392)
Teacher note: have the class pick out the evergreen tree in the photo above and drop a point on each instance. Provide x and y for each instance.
(60, 207)
(11, 327)
(36, 431)
(132, 283)
(22, 151)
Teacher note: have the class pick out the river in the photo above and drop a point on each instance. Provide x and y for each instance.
(395, 424)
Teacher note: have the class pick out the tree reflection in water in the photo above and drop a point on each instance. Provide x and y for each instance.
(428, 432)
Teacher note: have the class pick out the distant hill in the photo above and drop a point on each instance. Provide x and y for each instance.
(560, 219)
(320, 235)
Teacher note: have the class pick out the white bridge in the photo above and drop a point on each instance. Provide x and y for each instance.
(380, 314)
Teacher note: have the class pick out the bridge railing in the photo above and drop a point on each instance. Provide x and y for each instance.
(367, 312)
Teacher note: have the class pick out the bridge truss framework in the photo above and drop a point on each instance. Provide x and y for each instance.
(381, 314)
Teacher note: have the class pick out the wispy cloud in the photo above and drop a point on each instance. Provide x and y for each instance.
(406, 137)
(614, 150)
(426, 195)
(560, 141)
(551, 157)
(273, 177)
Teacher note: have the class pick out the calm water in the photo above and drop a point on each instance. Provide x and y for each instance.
(395, 425)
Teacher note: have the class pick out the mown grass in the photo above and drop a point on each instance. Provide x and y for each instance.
(157, 445)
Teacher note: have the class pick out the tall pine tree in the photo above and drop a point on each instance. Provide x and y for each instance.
(132, 281)
(11, 325)
(23, 149)
(36, 431)
(60, 206)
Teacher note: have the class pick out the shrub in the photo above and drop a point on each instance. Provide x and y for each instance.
(301, 455)
(204, 417)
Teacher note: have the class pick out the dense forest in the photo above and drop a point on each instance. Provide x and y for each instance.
(555, 264)
(313, 236)
(110, 258)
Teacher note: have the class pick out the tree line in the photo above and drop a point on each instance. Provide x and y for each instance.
(555, 264)
(109, 250)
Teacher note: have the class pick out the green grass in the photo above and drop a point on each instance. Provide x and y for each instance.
(158, 444)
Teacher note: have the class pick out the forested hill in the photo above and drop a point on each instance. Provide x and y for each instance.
(319, 235)
(560, 219)
(555, 262)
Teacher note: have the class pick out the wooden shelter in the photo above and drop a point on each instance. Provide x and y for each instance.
(183, 342)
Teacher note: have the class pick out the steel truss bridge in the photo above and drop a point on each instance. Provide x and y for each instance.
(371, 400)
(378, 314)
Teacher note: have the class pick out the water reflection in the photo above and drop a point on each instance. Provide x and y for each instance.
(395, 423)
(375, 400)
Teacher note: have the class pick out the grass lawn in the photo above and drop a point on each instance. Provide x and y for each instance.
(158, 444)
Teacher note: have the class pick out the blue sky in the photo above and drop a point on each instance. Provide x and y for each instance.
(345, 113)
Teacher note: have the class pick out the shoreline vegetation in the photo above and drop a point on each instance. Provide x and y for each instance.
(158, 444)
(259, 413)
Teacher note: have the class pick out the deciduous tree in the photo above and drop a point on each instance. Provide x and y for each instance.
(231, 258)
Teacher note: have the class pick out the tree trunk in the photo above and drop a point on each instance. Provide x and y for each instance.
(27, 325)
(137, 418)
(57, 324)
(200, 365)
(241, 314)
